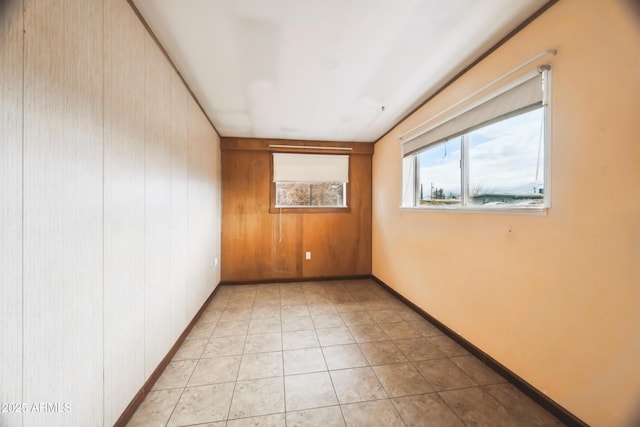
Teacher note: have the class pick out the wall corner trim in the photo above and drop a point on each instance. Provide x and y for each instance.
(536, 395)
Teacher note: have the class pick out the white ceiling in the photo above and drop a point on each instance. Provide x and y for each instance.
(323, 69)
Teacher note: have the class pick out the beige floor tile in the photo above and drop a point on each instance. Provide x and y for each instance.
(476, 407)
(323, 308)
(175, 375)
(402, 379)
(426, 410)
(266, 311)
(334, 336)
(520, 405)
(263, 343)
(202, 404)
(399, 330)
(411, 316)
(327, 320)
(303, 361)
(231, 328)
(156, 408)
(385, 316)
(442, 374)
(382, 353)
(308, 391)
(349, 307)
(367, 333)
(357, 385)
(374, 305)
(190, 349)
(351, 318)
(202, 330)
(278, 340)
(416, 349)
(448, 346)
(265, 326)
(293, 299)
(297, 323)
(211, 314)
(477, 370)
(257, 397)
(425, 328)
(215, 370)
(344, 356)
(296, 310)
(326, 417)
(236, 314)
(293, 340)
(260, 365)
(224, 346)
(379, 413)
(275, 420)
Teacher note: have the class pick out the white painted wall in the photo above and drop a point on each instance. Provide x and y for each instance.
(110, 208)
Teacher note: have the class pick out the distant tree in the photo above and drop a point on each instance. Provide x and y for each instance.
(478, 190)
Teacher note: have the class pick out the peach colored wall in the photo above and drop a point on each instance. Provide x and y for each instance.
(554, 298)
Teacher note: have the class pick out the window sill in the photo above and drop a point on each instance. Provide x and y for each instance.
(470, 209)
(309, 209)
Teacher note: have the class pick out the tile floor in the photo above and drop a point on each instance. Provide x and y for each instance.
(335, 353)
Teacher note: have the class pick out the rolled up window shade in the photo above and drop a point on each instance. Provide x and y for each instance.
(310, 168)
(522, 95)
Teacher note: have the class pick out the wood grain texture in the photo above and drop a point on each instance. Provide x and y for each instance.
(157, 207)
(179, 176)
(63, 211)
(259, 245)
(11, 70)
(124, 207)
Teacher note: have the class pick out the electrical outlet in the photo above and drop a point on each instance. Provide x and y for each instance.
(308, 255)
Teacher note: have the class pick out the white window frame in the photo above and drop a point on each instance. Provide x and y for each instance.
(409, 201)
(302, 168)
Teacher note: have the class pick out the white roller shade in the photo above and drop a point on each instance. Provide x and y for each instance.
(523, 94)
(310, 168)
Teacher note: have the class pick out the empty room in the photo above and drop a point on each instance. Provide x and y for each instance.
(283, 213)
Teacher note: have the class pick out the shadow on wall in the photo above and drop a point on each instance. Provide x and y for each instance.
(6, 11)
(635, 7)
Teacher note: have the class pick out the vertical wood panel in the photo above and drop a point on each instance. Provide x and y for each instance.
(63, 210)
(216, 209)
(11, 207)
(341, 243)
(179, 176)
(200, 263)
(254, 248)
(157, 207)
(124, 180)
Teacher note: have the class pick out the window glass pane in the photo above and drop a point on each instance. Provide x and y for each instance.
(300, 194)
(506, 162)
(439, 174)
(327, 194)
(292, 194)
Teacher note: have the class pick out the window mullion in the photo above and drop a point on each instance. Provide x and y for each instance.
(464, 170)
(416, 180)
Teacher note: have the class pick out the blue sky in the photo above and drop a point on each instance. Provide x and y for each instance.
(503, 158)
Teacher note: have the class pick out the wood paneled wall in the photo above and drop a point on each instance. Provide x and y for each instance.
(259, 245)
(110, 214)
(11, 51)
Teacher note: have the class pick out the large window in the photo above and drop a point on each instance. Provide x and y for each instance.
(310, 180)
(490, 156)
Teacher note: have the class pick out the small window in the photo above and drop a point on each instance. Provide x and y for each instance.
(496, 157)
(307, 181)
(305, 194)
